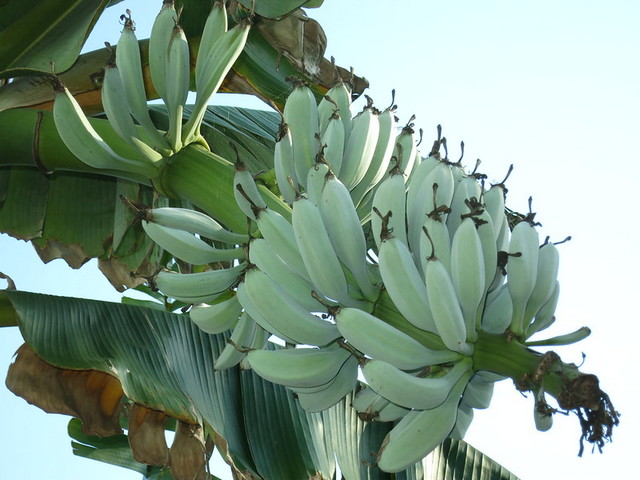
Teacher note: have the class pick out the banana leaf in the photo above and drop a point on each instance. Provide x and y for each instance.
(164, 362)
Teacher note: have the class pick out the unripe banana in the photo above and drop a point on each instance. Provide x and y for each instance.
(542, 413)
(466, 189)
(120, 118)
(411, 391)
(159, 45)
(341, 96)
(219, 59)
(198, 287)
(315, 181)
(368, 404)
(437, 241)
(283, 165)
(545, 316)
(246, 192)
(405, 150)
(130, 67)
(214, 28)
(547, 275)
(187, 247)
(177, 85)
(494, 204)
(332, 139)
(487, 235)
(258, 342)
(498, 311)
(345, 233)
(217, 318)
(404, 283)
(238, 344)
(419, 432)
(468, 272)
(478, 393)
(423, 168)
(391, 413)
(390, 197)
(522, 269)
(298, 367)
(360, 147)
(194, 222)
(435, 191)
(379, 340)
(278, 232)
(317, 253)
(286, 315)
(262, 256)
(338, 388)
(566, 339)
(84, 142)
(443, 303)
(379, 165)
(463, 422)
(301, 115)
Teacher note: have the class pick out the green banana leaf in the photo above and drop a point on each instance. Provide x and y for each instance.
(279, 8)
(163, 361)
(62, 28)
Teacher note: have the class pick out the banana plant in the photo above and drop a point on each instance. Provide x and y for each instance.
(123, 171)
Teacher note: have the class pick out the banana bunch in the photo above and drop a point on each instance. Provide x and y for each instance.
(138, 147)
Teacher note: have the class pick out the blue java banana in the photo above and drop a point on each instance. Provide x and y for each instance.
(161, 33)
(413, 391)
(239, 343)
(200, 287)
(379, 340)
(218, 317)
(360, 147)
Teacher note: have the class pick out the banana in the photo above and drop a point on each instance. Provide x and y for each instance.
(338, 388)
(246, 191)
(159, 39)
(467, 273)
(299, 367)
(411, 391)
(404, 283)
(545, 316)
(120, 118)
(359, 149)
(238, 343)
(315, 181)
(522, 269)
(542, 413)
(566, 339)
(301, 115)
(405, 149)
(198, 287)
(283, 165)
(278, 232)
(435, 191)
(84, 142)
(419, 432)
(379, 165)
(195, 222)
(546, 277)
(210, 73)
(332, 143)
(299, 288)
(317, 253)
(391, 413)
(437, 240)
(466, 189)
(286, 315)
(187, 247)
(217, 318)
(345, 233)
(258, 342)
(214, 28)
(130, 67)
(340, 99)
(498, 311)
(423, 168)
(379, 340)
(494, 204)
(368, 404)
(478, 393)
(443, 303)
(463, 422)
(502, 245)
(178, 71)
(487, 235)
(390, 197)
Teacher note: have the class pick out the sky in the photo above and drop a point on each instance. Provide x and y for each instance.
(551, 87)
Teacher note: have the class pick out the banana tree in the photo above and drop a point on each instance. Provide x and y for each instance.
(149, 367)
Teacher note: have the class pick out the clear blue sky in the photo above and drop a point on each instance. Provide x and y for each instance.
(552, 87)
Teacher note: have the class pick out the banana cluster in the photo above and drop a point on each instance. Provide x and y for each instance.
(143, 147)
(387, 267)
